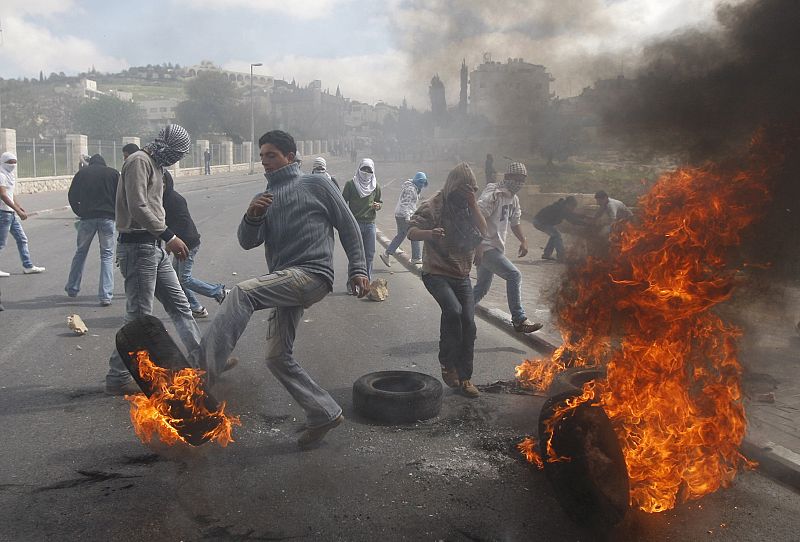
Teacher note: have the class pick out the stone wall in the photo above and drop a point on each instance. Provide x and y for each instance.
(42, 184)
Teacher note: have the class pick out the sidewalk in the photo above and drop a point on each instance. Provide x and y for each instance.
(769, 351)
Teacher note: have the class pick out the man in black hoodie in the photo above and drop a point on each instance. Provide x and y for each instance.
(180, 221)
(92, 196)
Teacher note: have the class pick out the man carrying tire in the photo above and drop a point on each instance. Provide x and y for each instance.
(294, 220)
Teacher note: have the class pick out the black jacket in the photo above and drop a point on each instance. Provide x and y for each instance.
(93, 191)
(177, 214)
(555, 213)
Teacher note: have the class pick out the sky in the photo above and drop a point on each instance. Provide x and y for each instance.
(375, 50)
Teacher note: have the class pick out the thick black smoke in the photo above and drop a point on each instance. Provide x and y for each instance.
(707, 94)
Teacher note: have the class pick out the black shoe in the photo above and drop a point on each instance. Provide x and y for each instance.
(313, 435)
(128, 388)
(526, 326)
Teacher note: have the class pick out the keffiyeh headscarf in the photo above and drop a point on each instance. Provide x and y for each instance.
(365, 182)
(172, 144)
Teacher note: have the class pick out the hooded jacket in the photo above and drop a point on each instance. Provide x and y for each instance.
(407, 204)
(178, 218)
(451, 256)
(93, 191)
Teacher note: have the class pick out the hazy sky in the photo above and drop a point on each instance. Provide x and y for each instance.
(376, 50)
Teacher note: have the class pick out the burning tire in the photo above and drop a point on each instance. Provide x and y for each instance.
(397, 396)
(176, 407)
(593, 486)
(572, 380)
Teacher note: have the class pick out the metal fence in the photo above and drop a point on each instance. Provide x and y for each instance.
(51, 157)
(44, 158)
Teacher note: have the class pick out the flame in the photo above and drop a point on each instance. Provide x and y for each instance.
(673, 387)
(528, 449)
(176, 403)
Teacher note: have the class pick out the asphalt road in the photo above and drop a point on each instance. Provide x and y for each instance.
(71, 467)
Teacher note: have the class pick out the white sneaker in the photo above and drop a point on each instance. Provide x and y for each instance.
(32, 270)
(400, 251)
(385, 259)
(416, 261)
(4, 274)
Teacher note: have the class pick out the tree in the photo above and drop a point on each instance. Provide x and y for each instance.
(556, 133)
(211, 105)
(109, 118)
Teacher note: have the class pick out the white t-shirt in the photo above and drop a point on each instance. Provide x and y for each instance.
(500, 208)
(616, 210)
(8, 181)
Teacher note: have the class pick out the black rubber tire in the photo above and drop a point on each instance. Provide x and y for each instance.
(593, 487)
(573, 379)
(397, 396)
(148, 333)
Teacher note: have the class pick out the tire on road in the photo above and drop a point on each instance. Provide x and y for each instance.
(573, 379)
(593, 486)
(397, 396)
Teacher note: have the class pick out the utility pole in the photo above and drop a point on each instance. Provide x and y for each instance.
(252, 118)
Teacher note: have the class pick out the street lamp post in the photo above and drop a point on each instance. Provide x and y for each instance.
(252, 118)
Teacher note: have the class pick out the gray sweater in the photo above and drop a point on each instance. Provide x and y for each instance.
(297, 229)
(139, 205)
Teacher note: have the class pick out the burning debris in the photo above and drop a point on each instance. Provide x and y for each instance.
(673, 386)
(174, 404)
(177, 408)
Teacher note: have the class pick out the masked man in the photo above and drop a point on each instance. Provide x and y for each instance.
(144, 243)
(500, 207)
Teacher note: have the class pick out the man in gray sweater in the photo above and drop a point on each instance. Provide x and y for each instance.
(143, 244)
(294, 220)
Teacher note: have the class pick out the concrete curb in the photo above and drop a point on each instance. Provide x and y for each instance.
(775, 461)
(45, 211)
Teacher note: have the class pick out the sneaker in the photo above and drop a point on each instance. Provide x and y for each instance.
(4, 274)
(548, 257)
(128, 388)
(400, 251)
(468, 389)
(223, 295)
(33, 270)
(526, 326)
(230, 364)
(104, 302)
(202, 312)
(450, 377)
(385, 259)
(416, 261)
(313, 435)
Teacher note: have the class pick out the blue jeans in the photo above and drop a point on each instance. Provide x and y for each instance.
(10, 223)
(457, 326)
(493, 263)
(286, 293)
(87, 228)
(368, 236)
(149, 275)
(208, 168)
(403, 226)
(191, 284)
(555, 241)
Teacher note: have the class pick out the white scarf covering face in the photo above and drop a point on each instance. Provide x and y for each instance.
(6, 169)
(365, 182)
